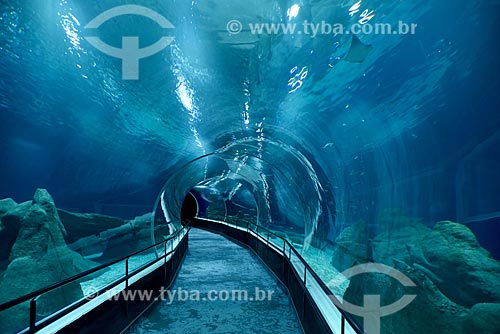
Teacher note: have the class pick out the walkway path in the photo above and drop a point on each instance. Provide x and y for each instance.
(214, 263)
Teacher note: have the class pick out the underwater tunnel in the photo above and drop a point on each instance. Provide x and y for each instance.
(352, 132)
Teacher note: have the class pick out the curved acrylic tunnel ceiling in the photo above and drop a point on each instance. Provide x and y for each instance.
(356, 147)
(280, 182)
(317, 139)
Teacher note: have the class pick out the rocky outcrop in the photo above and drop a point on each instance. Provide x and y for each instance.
(91, 235)
(133, 237)
(8, 232)
(12, 218)
(402, 244)
(45, 200)
(39, 257)
(34, 252)
(39, 228)
(351, 247)
(116, 242)
(483, 318)
(81, 225)
(6, 205)
(452, 271)
(429, 307)
(24, 275)
(467, 273)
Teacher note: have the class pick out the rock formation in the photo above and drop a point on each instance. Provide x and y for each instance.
(8, 232)
(137, 237)
(6, 205)
(483, 318)
(81, 225)
(429, 307)
(351, 247)
(468, 274)
(116, 242)
(38, 258)
(456, 278)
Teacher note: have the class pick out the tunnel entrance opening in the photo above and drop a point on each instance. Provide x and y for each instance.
(189, 209)
(228, 200)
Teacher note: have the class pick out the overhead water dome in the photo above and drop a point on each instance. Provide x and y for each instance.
(360, 131)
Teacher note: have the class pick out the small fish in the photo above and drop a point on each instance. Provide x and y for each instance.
(328, 145)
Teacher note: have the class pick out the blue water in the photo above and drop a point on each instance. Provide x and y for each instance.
(278, 128)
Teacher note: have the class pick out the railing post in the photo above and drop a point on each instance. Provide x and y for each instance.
(33, 313)
(304, 293)
(126, 273)
(284, 259)
(172, 258)
(165, 260)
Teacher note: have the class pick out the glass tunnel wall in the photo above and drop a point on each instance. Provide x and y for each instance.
(271, 184)
(368, 148)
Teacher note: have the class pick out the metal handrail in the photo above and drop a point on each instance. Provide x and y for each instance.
(33, 296)
(307, 267)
